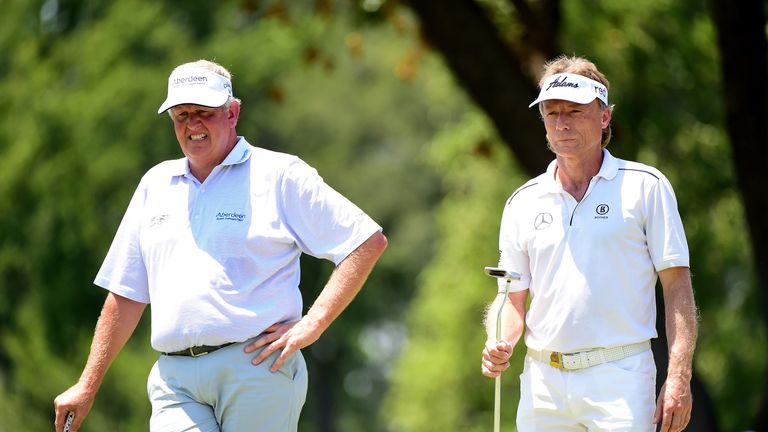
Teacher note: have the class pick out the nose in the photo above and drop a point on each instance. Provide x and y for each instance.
(193, 120)
(561, 122)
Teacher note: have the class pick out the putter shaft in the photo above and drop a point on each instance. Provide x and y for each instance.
(497, 398)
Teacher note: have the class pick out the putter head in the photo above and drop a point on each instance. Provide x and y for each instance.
(500, 273)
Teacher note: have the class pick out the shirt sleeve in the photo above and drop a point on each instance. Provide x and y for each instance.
(512, 254)
(123, 271)
(664, 228)
(324, 223)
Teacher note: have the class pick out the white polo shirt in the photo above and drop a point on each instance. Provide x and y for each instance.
(219, 261)
(591, 266)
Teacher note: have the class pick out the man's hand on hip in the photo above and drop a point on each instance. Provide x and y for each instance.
(290, 336)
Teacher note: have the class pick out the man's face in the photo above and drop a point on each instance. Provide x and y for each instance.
(573, 128)
(206, 135)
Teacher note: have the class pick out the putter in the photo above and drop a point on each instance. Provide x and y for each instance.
(70, 419)
(499, 273)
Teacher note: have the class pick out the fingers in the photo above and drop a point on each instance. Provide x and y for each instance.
(276, 340)
(495, 359)
(659, 407)
(288, 348)
(497, 352)
(492, 370)
(673, 409)
(61, 409)
(268, 336)
(666, 422)
(266, 352)
(288, 336)
(679, 416)
(62, 417)
(284, 354)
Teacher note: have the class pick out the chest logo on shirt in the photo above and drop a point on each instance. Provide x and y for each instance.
(158, 220)
(230, 216)
(602, 210)
(542, 221)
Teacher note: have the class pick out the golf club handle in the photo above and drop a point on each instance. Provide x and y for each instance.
(68, 422)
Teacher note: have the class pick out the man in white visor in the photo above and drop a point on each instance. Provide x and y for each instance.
(212, 241)
(590, 237)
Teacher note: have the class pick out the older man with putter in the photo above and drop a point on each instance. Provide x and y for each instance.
(590, 238)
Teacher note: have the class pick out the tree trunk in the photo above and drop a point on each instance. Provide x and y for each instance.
(742, 40)
(487, 69)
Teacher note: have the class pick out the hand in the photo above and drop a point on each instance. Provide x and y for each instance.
(495, 358)
(290, 336)
(76, 399)
(674, 405)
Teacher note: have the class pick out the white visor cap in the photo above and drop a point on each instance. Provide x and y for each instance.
(197, 86)
(572, 87)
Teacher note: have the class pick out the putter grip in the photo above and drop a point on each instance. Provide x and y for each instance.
(68, 422)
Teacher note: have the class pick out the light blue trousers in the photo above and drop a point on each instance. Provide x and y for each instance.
(223, 392)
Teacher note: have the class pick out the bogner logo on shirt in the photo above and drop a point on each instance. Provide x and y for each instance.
(230, 216)
(602, 211)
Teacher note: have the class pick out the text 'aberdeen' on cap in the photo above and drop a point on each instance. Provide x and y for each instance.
(197, 86)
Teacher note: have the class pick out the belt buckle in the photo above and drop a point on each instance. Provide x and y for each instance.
(556, 360)
(192, 352)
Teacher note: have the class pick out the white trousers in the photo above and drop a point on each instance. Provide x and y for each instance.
(615, 396)
(223, 392)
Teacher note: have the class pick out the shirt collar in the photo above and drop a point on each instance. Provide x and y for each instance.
(239, 154)
(610, 166)
(608, 170)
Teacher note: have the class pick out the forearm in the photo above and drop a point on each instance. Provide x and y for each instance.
(346, 281)
(681, 321)
(512, 317)
(117, 321)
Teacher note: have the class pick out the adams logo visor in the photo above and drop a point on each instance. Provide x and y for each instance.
(198, 86)
(571, 87)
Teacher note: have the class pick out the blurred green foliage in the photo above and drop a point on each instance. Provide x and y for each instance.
(350, 88)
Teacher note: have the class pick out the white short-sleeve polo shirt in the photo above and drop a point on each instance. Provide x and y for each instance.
(591, 266)
(219, 260)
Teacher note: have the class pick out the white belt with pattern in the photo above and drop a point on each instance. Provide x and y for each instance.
(589, 358)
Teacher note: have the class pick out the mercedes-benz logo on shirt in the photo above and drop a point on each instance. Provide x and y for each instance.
(542, 221)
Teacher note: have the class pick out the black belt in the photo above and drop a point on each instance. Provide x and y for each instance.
(198, 350)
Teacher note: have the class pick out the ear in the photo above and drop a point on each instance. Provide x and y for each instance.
(605, 118)
(233, 114)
